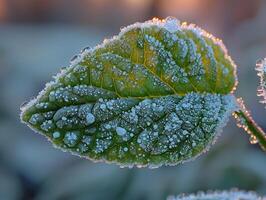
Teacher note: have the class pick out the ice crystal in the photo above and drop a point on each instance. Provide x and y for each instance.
(261, 68)
(156, 94)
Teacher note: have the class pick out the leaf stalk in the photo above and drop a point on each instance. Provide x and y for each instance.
(245, 121)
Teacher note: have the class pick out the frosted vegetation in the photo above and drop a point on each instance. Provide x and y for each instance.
(157, 94)
(261, 68)
(223, 195)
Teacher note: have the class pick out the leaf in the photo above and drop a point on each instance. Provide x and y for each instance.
(158, 93)
(261, 68)
(220, 195)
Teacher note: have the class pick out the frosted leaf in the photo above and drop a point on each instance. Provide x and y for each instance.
(219, 195)
(261, 68)
(156, 94)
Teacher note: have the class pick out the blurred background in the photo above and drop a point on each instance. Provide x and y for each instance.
(38, 37)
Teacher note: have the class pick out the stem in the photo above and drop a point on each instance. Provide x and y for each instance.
(245, 121)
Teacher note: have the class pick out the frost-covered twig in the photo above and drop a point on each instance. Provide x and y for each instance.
(261, 68)
(245, 121)
(219, 195)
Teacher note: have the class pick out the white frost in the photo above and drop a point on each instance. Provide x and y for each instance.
(172, 24)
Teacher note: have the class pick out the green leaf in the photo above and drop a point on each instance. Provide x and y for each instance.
(261, 68)
(156, 94)
(223, 195)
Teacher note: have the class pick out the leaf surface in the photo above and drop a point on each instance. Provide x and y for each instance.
(156, 94)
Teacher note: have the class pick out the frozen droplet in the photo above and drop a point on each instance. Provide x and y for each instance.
(155, 126)
(24, 104)
(56, 134)
(120, 131)
(82, 148)
(103, 106)
(253, 139)
(47, 125)
(172, 24)
(36, 119)
(75, 60)
(86, 140)
(85, 49)
(71, 138)
(91, 130)
(225, 71)
(75, 57)
(108, 126)
(90, 118)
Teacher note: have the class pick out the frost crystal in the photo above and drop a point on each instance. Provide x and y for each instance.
(120, 131)
(56, 134)
(261, 68)
(172, 24)
(71, 138)
(156, 94)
